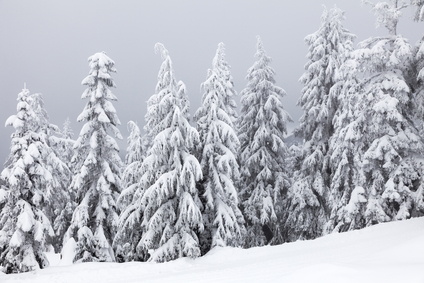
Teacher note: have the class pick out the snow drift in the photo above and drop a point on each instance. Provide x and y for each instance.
(391, 252)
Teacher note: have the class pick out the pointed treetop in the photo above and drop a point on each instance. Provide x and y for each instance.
(133, 127)
(259, 45)
(160, 48)
(324, 14)
(220, 55)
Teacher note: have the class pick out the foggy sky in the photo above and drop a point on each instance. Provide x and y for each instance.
(46, 43)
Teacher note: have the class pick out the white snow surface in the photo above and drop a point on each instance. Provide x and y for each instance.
(390, 252)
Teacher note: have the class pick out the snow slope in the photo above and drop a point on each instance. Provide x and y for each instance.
(391, 252)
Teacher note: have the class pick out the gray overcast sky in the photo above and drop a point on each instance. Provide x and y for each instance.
(46, 43)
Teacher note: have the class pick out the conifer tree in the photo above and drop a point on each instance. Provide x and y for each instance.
(418, 75)
(61, 206)
(133, 159)
(164, 218)
(263, 153)
(25, 229)
(123, 242)
(309, 197)
(98, 166)
(218, 154)
(346, 194)
(382, 131)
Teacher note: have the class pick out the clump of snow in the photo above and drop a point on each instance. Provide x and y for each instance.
(68, 253)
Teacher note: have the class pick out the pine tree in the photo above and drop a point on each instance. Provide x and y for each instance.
(59, 209)
(418, 75)
(25, 229)
(219, 147)
(341, 153)
(61, 143)
(125, 249)
(133, 159)
(346, 195)
(310, 194)
(385, 139)
(97, 172)
(263, 153)
(164, 218)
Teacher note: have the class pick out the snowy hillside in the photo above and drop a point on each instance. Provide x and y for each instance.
(392, 252)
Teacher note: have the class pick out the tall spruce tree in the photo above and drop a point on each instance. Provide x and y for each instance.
(310, 194)
(61, 207)
(345, 156)
(164, 218)
(30, 194)
(218, 155)
(418, 75)
(98, 166)
(382, 131)
(342, 161)
(263, 153)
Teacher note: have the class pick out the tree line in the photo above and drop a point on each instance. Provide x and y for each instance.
(223, 178)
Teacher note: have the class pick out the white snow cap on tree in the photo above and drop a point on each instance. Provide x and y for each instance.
(98, 166)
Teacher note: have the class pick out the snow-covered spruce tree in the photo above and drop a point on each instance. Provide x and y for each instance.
(263, 153)
(97, 171)
(59, 209)
(219, 146)
(418, 75)
(345, 155)
(164, 218)
(309, 196)
(123, 242)
(342, 155)
(25, 229)
(388, 137)
(133, 159)
(128, 238)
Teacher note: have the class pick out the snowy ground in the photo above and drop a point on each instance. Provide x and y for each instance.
(392, 252)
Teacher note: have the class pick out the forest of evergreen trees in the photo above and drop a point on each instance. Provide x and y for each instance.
(223, 178)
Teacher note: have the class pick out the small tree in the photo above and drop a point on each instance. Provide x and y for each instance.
(98, 166)
(219, 146)
(123, 242)
(263, 153)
